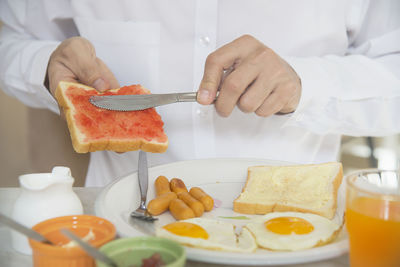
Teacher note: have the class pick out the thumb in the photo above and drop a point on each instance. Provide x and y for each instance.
(209, 84)
(93, 77)
(90, 72)
(100, 84)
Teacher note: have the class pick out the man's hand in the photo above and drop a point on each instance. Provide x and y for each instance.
(75, 60)
(256, 80)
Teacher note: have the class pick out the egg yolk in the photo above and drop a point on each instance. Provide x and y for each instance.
(186, 229)
(289, 225)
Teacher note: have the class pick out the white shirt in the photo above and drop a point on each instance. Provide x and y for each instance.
(347, 54)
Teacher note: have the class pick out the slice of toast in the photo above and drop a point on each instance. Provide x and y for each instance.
(93, 129)
(305, 188)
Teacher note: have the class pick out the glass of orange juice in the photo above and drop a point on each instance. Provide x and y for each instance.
(373, 217)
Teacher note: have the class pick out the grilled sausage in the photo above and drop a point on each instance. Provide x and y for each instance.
(193, 203)
(201, 196)
(180, 210)
(162, 185)
(161, 203)
(177, 185)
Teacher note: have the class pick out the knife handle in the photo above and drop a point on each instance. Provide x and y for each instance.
(143, 175)
(186, 97)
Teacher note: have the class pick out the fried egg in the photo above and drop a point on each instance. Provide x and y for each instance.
(292, 230)
(208, 234)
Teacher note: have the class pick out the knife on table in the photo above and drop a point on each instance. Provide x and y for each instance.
(140, 102)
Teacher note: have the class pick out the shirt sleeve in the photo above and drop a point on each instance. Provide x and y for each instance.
(356, 94)
(24, 59)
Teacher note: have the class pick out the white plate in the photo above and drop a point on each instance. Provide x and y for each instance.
(223, 179)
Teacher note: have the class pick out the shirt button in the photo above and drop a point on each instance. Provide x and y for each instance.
(205, 40)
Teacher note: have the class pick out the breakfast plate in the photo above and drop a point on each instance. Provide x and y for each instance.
(223, 179)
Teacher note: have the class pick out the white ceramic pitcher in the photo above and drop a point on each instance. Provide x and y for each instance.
(43, 196)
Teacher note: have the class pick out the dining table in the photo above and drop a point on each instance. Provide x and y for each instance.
(11, 258)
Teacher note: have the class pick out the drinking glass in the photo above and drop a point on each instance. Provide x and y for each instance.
(373, 217)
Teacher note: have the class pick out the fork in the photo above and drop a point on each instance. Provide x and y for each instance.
(141, 212)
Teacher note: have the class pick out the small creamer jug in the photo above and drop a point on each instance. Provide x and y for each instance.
(43, 196)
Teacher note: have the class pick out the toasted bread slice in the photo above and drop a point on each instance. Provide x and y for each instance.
(93, 129)
(305, 188)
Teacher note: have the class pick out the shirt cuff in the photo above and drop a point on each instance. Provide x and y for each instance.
(316, 87)
(311, 79)
(38, 74)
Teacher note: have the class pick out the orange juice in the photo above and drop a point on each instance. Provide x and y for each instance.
(373, 225)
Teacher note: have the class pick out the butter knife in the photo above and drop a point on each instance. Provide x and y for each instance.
(143, 177)
(140, 102)
(140, 218)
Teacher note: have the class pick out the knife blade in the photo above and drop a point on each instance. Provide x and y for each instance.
(140, 102)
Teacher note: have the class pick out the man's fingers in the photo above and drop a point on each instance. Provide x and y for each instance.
(293, 95)
(75, 60)
(213, 71)
(224, 58)
(271, 105)
(79, 56)
(89, 72)
(108, 75)
(100, 77)
(281, 99)
(255, 94)
(262, 84)
(234, 85)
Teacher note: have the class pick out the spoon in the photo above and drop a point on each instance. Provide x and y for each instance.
(92, 251)
(24, 230)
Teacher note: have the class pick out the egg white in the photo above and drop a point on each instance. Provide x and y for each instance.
(221, 236)
(324, 231)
